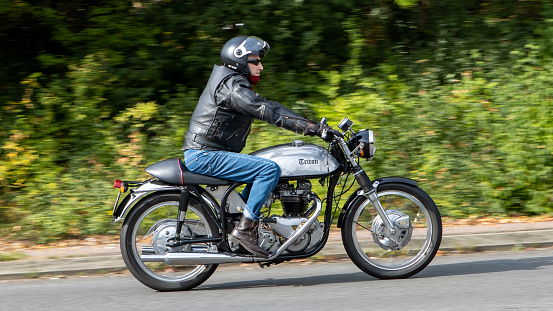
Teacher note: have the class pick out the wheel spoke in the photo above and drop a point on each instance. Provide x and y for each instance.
(360, 225)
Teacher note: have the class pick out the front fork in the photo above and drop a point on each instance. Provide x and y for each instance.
(369, 190)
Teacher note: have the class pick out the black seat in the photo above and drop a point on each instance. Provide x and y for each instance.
(174, 171)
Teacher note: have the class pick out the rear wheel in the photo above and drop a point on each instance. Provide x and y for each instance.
(147, 230)
(406, 251)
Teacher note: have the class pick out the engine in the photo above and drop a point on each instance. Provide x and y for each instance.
(294, 199)
(276, 229)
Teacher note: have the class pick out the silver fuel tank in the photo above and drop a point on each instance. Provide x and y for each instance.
(300, 160)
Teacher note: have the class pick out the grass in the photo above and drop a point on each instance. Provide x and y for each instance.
(11, 256)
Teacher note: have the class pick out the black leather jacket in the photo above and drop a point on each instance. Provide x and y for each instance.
(226, 109)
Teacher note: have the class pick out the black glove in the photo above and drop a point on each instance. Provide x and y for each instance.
(322, 130)
(311, 129)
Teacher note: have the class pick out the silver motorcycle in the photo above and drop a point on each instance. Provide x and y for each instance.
(177, 224)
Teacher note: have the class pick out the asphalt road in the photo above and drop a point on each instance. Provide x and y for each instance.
(520, 280)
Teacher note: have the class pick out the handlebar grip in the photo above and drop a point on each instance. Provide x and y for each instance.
(336, 133)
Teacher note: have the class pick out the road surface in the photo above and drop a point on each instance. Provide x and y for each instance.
(521, 280)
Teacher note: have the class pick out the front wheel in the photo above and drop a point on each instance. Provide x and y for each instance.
(147, 230)
(404, 252)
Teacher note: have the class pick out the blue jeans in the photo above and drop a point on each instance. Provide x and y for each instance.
(260, 174)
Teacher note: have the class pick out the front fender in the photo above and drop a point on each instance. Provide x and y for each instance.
(358, 193)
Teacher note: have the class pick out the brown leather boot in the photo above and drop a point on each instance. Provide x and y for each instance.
(243, 234)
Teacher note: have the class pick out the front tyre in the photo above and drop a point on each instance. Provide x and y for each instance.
(147, 230)
(401, 254)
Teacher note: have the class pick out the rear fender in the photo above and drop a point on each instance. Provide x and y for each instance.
(359, 194)
(135, 195)
(146, 190)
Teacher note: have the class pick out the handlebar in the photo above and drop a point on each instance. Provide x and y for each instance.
(327, 131)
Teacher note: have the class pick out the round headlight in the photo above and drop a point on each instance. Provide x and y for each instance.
(362, 145)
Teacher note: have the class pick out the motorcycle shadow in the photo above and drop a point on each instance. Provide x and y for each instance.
(295, 281)
(432, 271)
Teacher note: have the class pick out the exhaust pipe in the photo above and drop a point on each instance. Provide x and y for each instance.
(179, 259)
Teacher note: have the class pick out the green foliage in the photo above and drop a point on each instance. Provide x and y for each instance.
(458, 93)
(10, 256)
(65, 150)
(479, 145)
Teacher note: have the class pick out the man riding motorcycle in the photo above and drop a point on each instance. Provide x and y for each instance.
(222, 121)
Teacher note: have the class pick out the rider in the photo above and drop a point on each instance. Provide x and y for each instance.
(222, 121)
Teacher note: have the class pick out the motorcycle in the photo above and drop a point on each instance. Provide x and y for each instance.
(177, 224)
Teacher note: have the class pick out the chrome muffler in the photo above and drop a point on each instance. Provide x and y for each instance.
(180, 259)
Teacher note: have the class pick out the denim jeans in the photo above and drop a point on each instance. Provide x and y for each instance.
(260, 174)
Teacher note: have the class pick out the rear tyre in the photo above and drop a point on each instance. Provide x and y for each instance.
(146, 231)
(404, 253)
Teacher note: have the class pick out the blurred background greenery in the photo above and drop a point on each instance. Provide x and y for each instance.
(459, 93)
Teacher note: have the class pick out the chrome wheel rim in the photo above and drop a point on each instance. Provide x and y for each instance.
(143, 239)
(363, 232)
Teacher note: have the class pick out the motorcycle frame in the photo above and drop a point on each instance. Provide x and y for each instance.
(218, 212)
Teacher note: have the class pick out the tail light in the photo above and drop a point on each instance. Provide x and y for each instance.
(121, 185)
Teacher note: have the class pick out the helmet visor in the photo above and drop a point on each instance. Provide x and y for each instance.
(252, 45)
